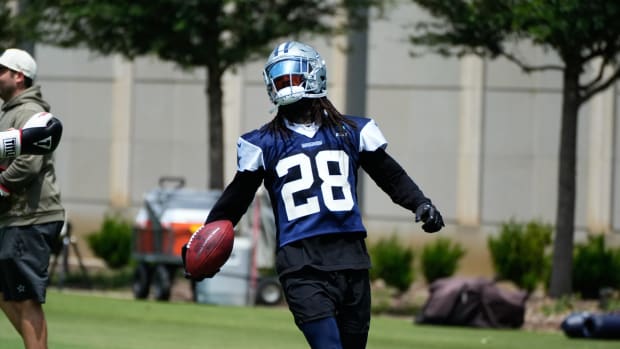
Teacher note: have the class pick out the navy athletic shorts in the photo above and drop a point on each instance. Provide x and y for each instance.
(345, 294)
(24, 259)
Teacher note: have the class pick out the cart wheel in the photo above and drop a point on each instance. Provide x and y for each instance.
(269, 292)
(162, 283)
(141, 281)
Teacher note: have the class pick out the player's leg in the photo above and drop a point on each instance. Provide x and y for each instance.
(322, 333)
(6, 268)
(34, 325)
(24, 260)
(10, 312)
(29, 320)
(354, 311)
(311, 298)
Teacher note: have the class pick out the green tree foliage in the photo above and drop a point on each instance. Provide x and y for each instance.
(585, 34)
(440, 259)
(215, 34)
(113, 242)
(392, 262)
(11, 34)
(518, 253)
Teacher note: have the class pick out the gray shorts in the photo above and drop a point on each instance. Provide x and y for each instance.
(24, 259)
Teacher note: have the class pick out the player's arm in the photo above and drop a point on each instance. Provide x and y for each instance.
(39, 136)
(395, 182)
(392, 179)
(237, 197)
(230, 206)
(239, 194)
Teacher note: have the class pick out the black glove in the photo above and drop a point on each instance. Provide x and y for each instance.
(188, 275)
(429, 214)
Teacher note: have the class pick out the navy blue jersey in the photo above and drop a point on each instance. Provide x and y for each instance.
(311, 176)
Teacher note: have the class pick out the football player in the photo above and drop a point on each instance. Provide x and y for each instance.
(308, 158)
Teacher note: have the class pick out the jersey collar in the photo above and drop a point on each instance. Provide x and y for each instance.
(308, 130)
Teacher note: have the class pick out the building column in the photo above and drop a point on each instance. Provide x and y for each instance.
(231, 113)
(600, 160)
(120, 145)
(470, 141)
(335, 57)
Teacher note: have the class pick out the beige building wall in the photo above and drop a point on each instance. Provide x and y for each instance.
(480, 137)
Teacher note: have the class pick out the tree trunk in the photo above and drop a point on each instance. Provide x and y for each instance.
(215, 128)
(561, 273)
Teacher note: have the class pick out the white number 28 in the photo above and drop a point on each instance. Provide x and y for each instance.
(329, 181)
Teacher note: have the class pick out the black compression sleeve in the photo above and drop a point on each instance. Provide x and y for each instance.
(392, 179)
(237, 197)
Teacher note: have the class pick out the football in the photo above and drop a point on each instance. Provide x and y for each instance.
(208, 249)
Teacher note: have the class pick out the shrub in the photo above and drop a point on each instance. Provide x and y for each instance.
(440, 259)
(392, 262)
(518, 253)
(595, 267)
(113, 242)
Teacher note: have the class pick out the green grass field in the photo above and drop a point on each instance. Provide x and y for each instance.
(78, 321)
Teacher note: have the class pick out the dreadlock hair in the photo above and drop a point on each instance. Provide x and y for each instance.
(321, 111)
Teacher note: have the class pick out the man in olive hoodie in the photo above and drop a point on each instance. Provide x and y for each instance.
(31, 213)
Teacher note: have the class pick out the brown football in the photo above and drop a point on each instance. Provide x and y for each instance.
(209, 248)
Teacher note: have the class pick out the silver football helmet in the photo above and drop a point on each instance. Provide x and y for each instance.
(293, 71)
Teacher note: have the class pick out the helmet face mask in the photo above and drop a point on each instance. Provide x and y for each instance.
(294, 71)
(288, 80)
